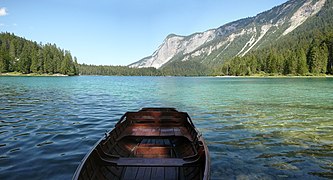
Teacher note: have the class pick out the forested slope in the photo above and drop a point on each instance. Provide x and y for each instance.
(308, 50)
(20, 55)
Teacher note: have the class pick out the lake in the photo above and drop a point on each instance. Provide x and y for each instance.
(255, 128)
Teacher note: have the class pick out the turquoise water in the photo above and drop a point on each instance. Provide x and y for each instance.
(256, 128)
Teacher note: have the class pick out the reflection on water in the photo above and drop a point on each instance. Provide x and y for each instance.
(255, 128)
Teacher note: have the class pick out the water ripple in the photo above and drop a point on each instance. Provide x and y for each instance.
(255, 128)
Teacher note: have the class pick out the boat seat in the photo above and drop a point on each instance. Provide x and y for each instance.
(156, 132)
(146, 162)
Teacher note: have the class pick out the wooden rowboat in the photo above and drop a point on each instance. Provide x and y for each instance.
(153, 143)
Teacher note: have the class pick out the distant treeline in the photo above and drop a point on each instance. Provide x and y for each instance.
(174, 69)
(117, 71)
(20, 55)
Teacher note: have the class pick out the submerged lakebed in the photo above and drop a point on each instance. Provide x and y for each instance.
(256, 128)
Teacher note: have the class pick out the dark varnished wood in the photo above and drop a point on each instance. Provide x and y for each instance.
(153, 143)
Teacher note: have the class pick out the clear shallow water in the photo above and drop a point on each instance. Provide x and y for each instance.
(255, 128)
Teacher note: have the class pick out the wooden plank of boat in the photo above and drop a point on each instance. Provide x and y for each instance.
(153, 143)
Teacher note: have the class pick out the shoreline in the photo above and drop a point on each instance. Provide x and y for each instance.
(278, 76)
(13, 74)
(33, 74)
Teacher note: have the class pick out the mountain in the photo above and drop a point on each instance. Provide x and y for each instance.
(236, 39)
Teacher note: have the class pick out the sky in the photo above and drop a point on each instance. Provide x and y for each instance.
(119, 32)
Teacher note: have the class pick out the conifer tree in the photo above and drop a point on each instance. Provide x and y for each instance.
(76, 66)
(67, 66)
(40, 61)
(3, 63)
(313, 59)
(12, 54)
(323, 58)
(290, 64)
(25, 60)
(330, 58)
(302, 67)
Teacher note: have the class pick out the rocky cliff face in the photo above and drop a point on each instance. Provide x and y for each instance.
(174, 45)
(234, 39)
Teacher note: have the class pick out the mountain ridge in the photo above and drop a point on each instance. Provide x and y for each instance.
(237, 38)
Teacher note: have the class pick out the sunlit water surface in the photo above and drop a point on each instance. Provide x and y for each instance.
(256, 128)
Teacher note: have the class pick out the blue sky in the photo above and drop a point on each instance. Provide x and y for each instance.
(119, 32)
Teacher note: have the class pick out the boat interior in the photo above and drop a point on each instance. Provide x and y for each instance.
(148, 145)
